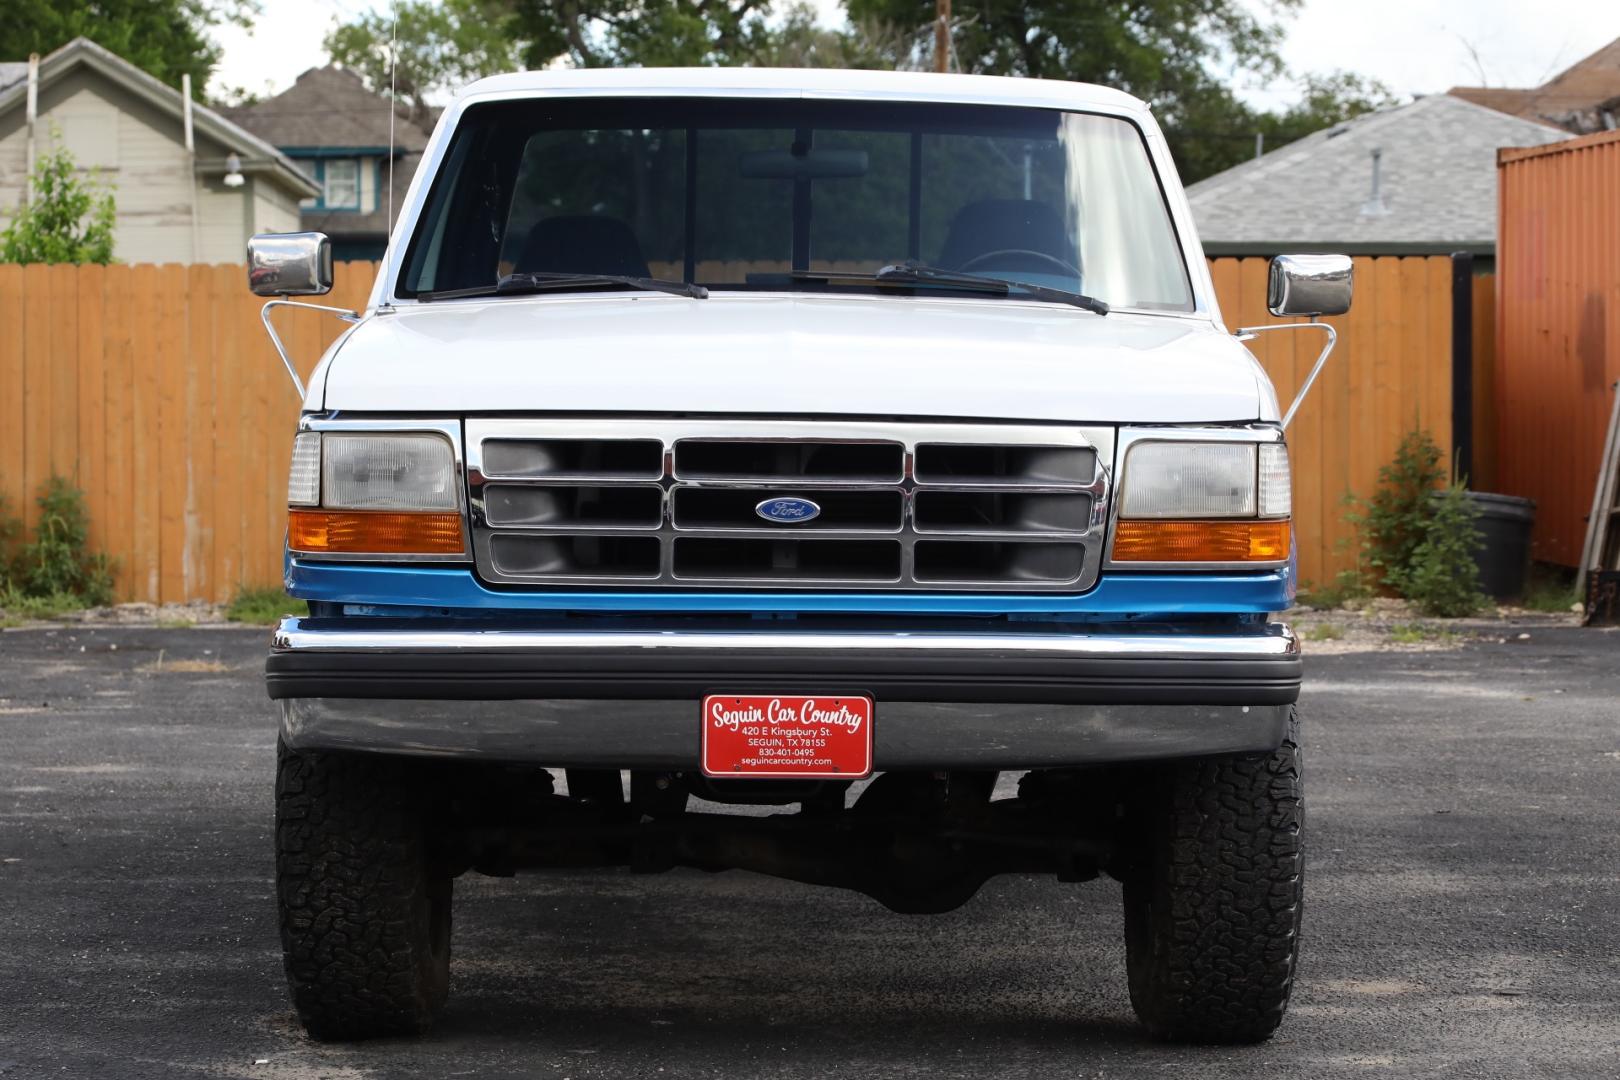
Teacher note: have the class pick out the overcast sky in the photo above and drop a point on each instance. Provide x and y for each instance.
(1416, 46)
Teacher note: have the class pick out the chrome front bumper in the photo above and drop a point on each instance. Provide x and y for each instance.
(628, 698)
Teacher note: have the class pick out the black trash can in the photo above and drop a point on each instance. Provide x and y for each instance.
(1503, 555)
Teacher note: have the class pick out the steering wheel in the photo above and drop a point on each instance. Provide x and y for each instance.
(1039, 256)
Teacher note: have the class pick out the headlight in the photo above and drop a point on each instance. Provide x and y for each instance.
(357, 493)
(388, 472)
(1189, 480)
(1205, 502)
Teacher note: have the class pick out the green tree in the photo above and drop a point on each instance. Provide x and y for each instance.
(1181, 55)
(440, 46)
(166, 38)
(68, 218)
(1170, 52)
(443, 45)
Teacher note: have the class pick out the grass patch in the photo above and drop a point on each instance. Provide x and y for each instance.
(17, 608)
(1550, 589)
(163, 666)
(1324, 632)
(263, 607)
(1347, 588)
(179, 622)
(1418, 634)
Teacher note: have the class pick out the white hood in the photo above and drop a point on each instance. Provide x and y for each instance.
(793, 355)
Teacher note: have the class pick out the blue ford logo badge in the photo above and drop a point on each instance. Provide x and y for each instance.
(788, 511)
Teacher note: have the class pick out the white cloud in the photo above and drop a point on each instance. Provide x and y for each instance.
(1429, 46)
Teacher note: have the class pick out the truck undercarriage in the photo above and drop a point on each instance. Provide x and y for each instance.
(917, 842)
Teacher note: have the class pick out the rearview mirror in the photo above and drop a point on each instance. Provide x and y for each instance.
(811, 165)
(290, 264)
(1309, 285)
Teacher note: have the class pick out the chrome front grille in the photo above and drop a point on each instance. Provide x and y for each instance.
(674, 503)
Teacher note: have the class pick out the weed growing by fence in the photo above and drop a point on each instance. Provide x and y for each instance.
(263, 607)
(55, 572)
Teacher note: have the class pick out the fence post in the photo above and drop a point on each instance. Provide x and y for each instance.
(1462, 364)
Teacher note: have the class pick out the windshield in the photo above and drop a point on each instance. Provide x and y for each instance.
(742, 193)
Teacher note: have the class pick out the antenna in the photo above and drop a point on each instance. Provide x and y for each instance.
(393, 112)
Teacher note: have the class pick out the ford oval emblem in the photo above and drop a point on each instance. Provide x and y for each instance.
(788, 511)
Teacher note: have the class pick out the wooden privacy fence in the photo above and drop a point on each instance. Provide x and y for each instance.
(154, 389)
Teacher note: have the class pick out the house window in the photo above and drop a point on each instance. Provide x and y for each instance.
(342, 184)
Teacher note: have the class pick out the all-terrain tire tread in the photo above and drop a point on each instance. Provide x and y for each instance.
(1224, 900)
(353, 897)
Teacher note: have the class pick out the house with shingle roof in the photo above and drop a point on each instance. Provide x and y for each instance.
(337, 131)
(1583, 98)
(173, 204)
(1417, 179)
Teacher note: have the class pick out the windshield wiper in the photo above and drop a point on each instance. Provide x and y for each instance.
(916, 273)
(537, 281)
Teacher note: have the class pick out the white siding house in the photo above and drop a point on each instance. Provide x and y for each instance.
(128, 128)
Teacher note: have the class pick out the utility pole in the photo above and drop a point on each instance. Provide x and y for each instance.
(942, 35)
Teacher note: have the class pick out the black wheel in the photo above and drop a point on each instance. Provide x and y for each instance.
(365, 919)
(1214, 895)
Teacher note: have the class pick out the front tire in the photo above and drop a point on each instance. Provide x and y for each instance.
(365, 918)
(1214, 897)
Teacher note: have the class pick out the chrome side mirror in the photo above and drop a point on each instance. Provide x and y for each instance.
(1309, 285)
(290, 264)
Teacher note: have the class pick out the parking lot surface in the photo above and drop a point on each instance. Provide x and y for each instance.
(1462, 919)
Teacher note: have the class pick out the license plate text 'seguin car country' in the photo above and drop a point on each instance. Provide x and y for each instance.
(787, 736)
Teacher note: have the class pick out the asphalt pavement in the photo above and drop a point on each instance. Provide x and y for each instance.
(1462, 913)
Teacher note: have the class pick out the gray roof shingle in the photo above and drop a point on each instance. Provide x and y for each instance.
(1437, 184)
(328, 106)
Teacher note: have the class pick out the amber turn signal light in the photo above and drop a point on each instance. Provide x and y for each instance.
(1200, 541)
(353, 532)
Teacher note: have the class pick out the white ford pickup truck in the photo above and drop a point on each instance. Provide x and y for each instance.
(866, 446)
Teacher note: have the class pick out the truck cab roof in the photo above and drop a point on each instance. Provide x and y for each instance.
(809, 83)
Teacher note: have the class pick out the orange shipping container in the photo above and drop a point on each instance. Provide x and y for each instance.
(1558, 328)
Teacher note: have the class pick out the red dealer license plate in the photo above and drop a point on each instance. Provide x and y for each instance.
(784, 736)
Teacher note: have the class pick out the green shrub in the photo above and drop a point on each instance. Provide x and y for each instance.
(59, 561)
(1416, 535)
(1395, 522)
(56, 572)
(68, 218)
(1442, 577)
